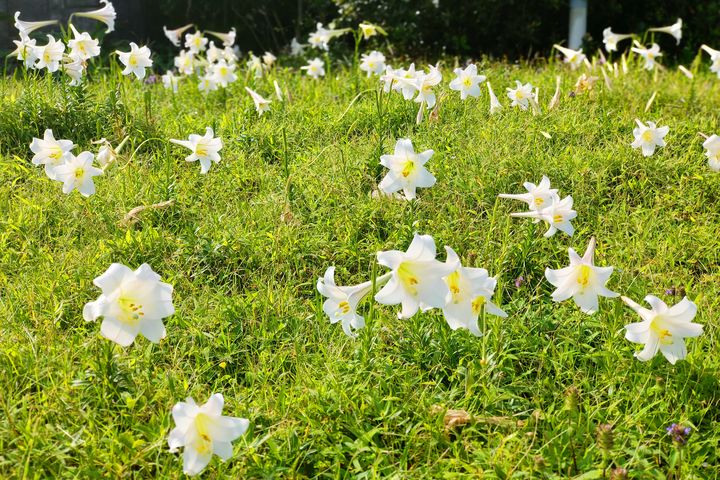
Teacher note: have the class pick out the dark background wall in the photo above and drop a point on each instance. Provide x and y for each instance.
(511, 28)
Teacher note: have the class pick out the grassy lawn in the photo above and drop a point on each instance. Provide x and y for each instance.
(243, 247)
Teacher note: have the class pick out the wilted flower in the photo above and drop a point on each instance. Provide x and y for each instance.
(611, 39)
(417, 277)
(261, 105)
(50, 152)
(647, 137)
(175, 35)
(712, 147)
(582, 280)
(77, 173)
(25, 28)
(467, 81)
(649, 54)
(203, 431)
(373, 63)
(675, 30)
(105, 15)
(585, 83)
(470, 291)
(663, 328)
(204, 148)
(407, 170)
(315, 68)
(136, 60)
(521, 95)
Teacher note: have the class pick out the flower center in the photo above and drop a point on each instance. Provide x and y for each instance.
(201, 150)
(664, 335)
(453, 283)
(55, 152)
(132, 61)
(343, 308)
(557, 218)
(408, 277)
(467, 82)
(202, 425)
(583, 278)
(131, 311)
(477, 305)
(408, 168)
(647, 136)
(519, 95)
(539, 201)
(79, 172)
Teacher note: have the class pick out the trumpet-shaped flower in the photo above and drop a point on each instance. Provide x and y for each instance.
(106, 15)
(25, 27)
(712, 152)
(321, 37)
(228, 38)
(315, 68)
(185, 62)
(77, 173)
(495, 104)
(467, 81)
(296, 48)
(106, 154)
(175, 35)
(195, 42)
(417, 277)
(341, 302)
(557, 215)
(470, 291)
(204, 148)
(255, 65)
(50, 55)
(170, 81)
(214, 54)
(26, 51)
(207, 83)
(582, 280)
(537, 197)
(425, 83)
(50, 152)
(83, 46)
(132, 303)
(369, 30)
(407, 170)
(278, 91)
(675, 30)
(74, 68)
(611, 39)
(521, 95)
(406, 81)
(135, 61)
(647, 137)
(372, 63)
(649, 54)
(663, 328)
(714, 58)
(269, 59)
(261, 104)
(203, 431)
(573, 57)
(224, 73)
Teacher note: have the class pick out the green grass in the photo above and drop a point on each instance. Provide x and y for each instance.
(244, 245)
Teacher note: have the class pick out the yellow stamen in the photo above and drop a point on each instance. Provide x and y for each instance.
(664, 335)
(557, 218)
(408, 168)
(344, 307)
(408, 278)
(584, 275)
(477, 305)
(647, 136)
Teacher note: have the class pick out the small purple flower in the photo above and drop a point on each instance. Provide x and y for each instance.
(519, 281)
(151, 80)
(678, 433)
(670, 291)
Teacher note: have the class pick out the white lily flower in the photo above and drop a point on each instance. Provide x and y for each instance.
(714, 58)
(373, 63)
(77, 173)
(255, 65)
(521, 95)
(315, 68)
(132, 303)
(675, 30)
(83, 46)
(73, 68)
(582, 280)
(26, 51)
(341, 304)
(50, 55)
(136, 60)
(228, 38)
(204, 148)
(417, 277)
(261, 104)
(425, 82)
(470, 291)
(185, 62)
(269, 59)
(106, 154)
(231, 54)
(278, 91)
(224, 73)
(557, 215)
(406, 81)
(369, 30)
(203, 431)
(663, 328)
(388, 78)
(195, 42)
(649, 54)
(296, 48)
(175, 35)
(573, 57)
(537, 197)
(207, 83)
(611, 39)
(495, 104)
(407, 170)
(105, 15)
(25, 27)
(50, 152)
(214, 54)
(170, 81)
(647, 137)
(712, 147)
(322, 36)
(467, 81)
